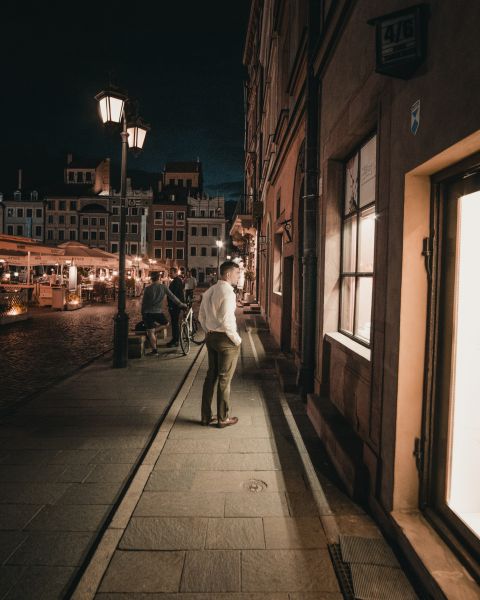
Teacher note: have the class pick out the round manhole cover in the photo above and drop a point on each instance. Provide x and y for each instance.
(255, 485)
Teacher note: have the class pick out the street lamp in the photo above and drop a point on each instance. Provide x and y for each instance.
(219, 248)
(113, 108)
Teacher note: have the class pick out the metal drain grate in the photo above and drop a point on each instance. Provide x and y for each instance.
(255, 485)
(372, 551)
(374, 582)
(355, 561)
(342, 571)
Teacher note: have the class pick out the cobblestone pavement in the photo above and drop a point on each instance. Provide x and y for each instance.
(65, 457)
(52, 345)
(247, 512)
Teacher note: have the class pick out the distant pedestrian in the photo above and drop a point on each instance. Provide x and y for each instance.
(217, 318)
(152, 302)
(241, 281)
(190, 285)
(176, 288)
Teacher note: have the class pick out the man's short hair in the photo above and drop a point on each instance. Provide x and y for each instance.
(154, 275)
(227, 266)
(193, 272)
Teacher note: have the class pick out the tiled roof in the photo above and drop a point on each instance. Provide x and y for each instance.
(88, 163)
(183, 167)
(69, 190)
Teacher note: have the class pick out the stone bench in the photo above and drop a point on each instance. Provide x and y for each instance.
(136, 345)
(138, 339)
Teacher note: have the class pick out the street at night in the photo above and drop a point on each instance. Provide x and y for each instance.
(239, 333)
(52, 345)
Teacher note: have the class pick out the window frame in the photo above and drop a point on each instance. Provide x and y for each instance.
(437, 417)
(355, 214)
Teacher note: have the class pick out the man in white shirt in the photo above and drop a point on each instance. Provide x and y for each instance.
(190, 284)
(217, 318)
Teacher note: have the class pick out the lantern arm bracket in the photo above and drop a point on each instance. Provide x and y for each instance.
(287, 228)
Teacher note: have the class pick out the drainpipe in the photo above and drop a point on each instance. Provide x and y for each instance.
(310, 202)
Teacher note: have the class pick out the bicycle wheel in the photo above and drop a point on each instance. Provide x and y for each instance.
(198, 335)
(185, 338)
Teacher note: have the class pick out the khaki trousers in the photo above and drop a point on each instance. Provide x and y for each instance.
(222, 361)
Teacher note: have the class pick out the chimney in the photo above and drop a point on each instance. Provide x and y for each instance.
(19, 179)
(69, 158)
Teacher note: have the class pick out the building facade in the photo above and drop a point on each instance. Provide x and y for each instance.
(184, 176)
(206, 227)
(370, 188)
(23, 214)
(167, 230)
(139, 202)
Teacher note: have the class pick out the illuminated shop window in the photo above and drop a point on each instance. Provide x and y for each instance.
(358, 241)
(463, 462)
(278, 263)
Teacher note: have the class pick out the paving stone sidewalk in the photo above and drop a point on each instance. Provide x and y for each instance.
(65, 458)
(229, 513)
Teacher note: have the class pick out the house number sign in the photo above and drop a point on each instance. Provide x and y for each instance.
(400, 41)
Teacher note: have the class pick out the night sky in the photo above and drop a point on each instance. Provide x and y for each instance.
(182, 60)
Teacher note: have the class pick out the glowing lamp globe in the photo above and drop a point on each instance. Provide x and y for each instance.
(111, 106)
(137, 133)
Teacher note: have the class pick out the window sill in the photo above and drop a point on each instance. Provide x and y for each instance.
(352, 346)
(278, 293)
(436, 557)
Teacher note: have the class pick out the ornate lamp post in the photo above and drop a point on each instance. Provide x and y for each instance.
(112, 106)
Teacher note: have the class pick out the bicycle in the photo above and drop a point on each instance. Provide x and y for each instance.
(190, 330)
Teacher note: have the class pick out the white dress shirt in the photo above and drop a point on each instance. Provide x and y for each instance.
(217, 310)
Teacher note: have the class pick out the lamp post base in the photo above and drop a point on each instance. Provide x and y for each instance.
(120, 341)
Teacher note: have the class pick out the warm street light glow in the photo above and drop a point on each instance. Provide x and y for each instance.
(111, 105)
(136, 134)
(219, 243)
